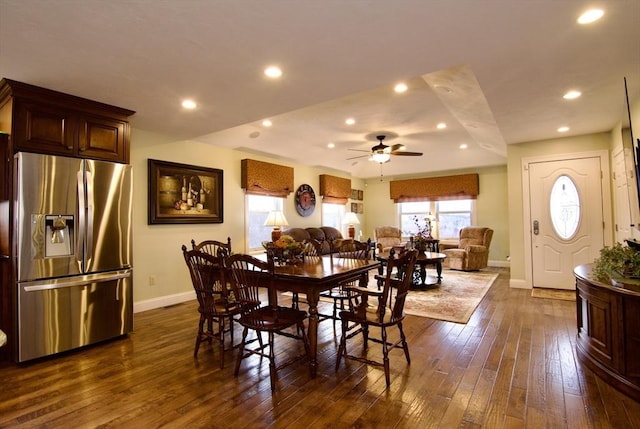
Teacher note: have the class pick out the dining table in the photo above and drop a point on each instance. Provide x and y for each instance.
(313, 275)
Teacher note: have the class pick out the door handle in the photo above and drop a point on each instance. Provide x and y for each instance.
(536, 227)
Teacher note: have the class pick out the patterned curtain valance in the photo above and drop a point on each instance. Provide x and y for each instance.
(336, 190)
(463, 186)
(263, 178)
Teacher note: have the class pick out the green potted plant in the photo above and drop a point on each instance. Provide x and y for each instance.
(617, 261)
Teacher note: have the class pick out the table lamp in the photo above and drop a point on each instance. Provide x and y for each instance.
(277, 220)
(431, 219)
(352, 220)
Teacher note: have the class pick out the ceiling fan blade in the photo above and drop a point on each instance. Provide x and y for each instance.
(359, 156)
(359, 150)
(396, 147)
(404, 153)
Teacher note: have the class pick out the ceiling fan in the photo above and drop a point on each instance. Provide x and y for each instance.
(381, 152)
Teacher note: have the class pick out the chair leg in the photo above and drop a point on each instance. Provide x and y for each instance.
(221, 340)
(405, 346)
(342, 348)
(199, 337)
(272, 363)
(294, 300)
(365, 336)
(241, 350)
(385, 359)
(305, 339)
(209, 328)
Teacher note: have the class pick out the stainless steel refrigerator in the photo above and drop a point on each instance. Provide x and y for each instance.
(74, 247)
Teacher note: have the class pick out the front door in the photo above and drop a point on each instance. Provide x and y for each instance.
(567, 221)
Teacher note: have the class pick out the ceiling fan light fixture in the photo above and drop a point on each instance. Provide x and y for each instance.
(381, 157)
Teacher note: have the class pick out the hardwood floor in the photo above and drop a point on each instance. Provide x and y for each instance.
(513, 365)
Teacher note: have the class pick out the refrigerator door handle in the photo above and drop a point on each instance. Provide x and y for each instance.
(89, 225)
(81, 216)
(83, 280)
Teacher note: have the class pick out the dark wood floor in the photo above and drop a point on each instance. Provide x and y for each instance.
(513, 365)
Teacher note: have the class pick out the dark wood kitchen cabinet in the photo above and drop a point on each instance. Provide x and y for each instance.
(46, 121)
(34, 119)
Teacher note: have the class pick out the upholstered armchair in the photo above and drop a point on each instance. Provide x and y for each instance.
(387, 237)
(472, 252)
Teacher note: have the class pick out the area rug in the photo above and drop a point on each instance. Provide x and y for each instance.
(454, 300)
(565, 295)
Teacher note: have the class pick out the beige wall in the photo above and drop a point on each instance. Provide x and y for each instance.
(157, 248)
(157, 251)
(491, 206)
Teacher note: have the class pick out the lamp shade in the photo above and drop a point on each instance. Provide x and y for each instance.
(276, 218)
(351, 219)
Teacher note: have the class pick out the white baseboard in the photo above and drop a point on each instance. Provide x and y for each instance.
(163, 301)
(519, 284)
(500, 264)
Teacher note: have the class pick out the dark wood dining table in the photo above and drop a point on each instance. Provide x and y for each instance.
(317, 274)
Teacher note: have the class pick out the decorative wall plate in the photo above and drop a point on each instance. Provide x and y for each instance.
(305, 200)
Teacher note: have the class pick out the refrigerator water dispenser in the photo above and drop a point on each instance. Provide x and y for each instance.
(58, 238)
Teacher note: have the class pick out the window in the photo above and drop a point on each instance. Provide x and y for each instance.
(258, 208)
(451, 216)
(408, 211)
(332, 215)
(564, 207)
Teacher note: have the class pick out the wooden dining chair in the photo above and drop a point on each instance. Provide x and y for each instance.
(386, 311)
(215, 304)
(342, 296)
(212, 246)
(217, 249)
(249, 275)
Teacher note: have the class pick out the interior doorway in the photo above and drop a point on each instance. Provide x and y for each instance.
(564, 215)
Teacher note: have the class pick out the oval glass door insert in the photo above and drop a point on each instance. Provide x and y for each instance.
(564, 205)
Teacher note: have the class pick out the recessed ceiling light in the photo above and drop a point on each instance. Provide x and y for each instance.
(267, 123)
(331, 145)
(273, 72)
(350, 121)
(563, 129)
(590, 16)
(463, 146)
(400, 87)
(189, 104)
(573, 94)
(441, 126)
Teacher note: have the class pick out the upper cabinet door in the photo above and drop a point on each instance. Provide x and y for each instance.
(103, 138)
(44, 129)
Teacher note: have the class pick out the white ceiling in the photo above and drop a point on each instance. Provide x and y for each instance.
(507, 64)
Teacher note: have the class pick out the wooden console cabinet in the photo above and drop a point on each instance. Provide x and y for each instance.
(608, 338)
(46, 121)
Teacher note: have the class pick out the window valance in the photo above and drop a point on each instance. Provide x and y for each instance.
(462, 186)
(263, 178)
(333, 189)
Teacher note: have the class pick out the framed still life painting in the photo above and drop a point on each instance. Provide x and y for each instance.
(181, 193)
